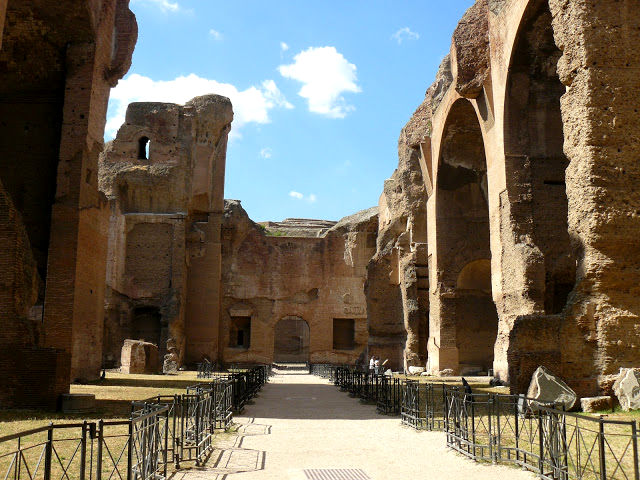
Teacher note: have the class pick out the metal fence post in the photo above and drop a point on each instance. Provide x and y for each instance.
(603, 464)
(47, 453)
(494, 436)
(541, 442)
(197, 431)
(83, 450)
(99, 452)
(634, 440)
(517, 427)
(473, 424)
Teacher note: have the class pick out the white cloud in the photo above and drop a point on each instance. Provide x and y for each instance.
(266, 153)
(164, 5)
(405, 33)
(251, 105)
(325, 75)
(311, 198)
(215, 34)
(284, 47)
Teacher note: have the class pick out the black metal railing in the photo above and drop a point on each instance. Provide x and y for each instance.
(134, 449)
(161, 430)
(325, 370)
(390, 396)
(384, 391)
(553, 443)
(545, 439)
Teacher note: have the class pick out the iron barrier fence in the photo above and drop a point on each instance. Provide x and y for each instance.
(247, 380)
(135, 449)
(325, 370)
(161, 430)
(499, 428)
(383, 390)
(194, 418)
(389, 395)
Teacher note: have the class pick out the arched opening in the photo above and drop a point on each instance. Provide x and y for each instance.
(291, 342)
(143, 148)
(467, 311)
(146, 325)
(535, 159)
(476, 276)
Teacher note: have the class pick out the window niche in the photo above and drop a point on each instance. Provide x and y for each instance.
(143, 148)
(344, 334)
(240, 332)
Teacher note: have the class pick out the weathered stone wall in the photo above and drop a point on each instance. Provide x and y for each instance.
(297, 280)
(164, 174)
(552, 87)
(54, 110)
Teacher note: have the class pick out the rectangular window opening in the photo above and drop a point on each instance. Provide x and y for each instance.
(344, 334)
(240, 332)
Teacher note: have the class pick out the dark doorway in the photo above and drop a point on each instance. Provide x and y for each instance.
(291, 342)
(146, 325)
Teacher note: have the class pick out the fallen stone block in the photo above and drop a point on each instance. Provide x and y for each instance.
(416, 370)
(596, 404)
(138, 356)
(627, 388)
(549, 390)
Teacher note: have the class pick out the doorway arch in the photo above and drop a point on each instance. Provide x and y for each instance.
(462, 308)
(535, 161)
(291, 340)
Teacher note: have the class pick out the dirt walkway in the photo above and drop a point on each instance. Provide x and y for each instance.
(300, 424)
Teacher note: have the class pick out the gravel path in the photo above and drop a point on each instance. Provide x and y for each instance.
(301, 423)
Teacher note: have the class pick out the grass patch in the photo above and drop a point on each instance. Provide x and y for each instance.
(114, 395)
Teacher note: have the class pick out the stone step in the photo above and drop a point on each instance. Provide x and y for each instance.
(291, 367)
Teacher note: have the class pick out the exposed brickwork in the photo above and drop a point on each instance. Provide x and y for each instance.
(293, 288)
(556, 169)
(57, 101)
(163, 275)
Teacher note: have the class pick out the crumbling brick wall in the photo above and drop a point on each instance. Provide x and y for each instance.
(164, 176)
(289, 285)
(54, 106)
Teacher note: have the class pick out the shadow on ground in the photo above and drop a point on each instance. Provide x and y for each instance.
(308, 402)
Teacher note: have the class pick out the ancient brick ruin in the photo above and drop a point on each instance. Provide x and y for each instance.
(506, 239)
(59, 61)
(294, 298)
(529, 154)
(164, 176)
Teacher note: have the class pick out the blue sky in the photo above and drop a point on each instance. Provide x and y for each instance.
(320, 89)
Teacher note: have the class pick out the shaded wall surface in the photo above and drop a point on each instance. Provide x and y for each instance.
(52, 217)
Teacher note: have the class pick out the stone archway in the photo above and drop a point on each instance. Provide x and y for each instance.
(535, 162)
(463, 316)
(537, 258)
(291, 340)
